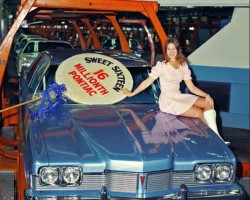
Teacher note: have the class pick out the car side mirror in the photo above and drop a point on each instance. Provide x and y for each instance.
(24, 72)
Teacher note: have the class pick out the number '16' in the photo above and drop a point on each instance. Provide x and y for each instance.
(101, 75)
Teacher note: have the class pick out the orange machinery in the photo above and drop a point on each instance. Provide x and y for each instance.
(73, 10)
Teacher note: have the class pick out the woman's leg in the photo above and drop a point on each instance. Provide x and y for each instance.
(205, 112)
(201, 103)
(197, 109)
(209, 114)
(196, 112)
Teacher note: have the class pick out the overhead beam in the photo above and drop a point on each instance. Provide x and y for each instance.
(114, 5)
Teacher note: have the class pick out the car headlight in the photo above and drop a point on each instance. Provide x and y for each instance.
(61, 176)
(49, 175)
(214, 173)
(203, 172)
(71, 175)
(223, 172)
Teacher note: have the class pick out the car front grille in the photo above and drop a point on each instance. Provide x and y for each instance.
(126, 181)
(114, 181)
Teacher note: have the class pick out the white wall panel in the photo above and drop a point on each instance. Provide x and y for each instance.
(227, 48)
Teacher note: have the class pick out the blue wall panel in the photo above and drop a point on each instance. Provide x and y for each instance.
(239, 98)
(238, 115)
(234, 120)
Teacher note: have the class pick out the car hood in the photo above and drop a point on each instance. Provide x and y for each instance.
(126, 138)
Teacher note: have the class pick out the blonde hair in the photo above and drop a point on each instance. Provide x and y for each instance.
(180, 58)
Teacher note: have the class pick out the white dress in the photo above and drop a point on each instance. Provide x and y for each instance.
(171, 99)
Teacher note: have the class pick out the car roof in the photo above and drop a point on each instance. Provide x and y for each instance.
(57, 56)
(36, 39)
(31, 38)
(58, 41)
(20, 37)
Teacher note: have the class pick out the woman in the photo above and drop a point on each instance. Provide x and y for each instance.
(171, 73)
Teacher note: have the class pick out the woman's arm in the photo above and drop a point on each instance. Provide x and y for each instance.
(144, 84)
(195, 90)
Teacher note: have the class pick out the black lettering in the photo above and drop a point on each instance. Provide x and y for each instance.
(93, 59)
(87, 59)
(116, 68)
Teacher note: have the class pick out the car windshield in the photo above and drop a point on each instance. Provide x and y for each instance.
(22, 44)
(29, 48)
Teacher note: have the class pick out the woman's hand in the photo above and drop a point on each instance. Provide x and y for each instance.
(143, 85)
(209, 100)
(126, 92)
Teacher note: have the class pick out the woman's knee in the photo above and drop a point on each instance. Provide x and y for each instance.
(208, 107)
(202, 104)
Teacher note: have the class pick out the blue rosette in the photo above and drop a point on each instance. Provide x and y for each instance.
(52, 98)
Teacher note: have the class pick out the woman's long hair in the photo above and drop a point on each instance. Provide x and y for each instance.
(180, 58)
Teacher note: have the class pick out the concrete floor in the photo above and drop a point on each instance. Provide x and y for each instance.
(240, 145)
(6, 185)
(240, 140)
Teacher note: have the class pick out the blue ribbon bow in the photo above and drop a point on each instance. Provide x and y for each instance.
(51, 98)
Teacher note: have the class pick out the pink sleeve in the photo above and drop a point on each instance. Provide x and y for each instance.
(156, 71)
(186, 72)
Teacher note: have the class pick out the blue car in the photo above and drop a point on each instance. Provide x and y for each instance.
(122, 148)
